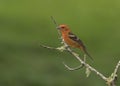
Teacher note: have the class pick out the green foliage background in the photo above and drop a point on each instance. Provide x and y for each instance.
(26, 23)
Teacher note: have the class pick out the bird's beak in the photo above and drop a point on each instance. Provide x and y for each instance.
(58, 27)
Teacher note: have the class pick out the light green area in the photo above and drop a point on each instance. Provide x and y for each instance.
(26, 23)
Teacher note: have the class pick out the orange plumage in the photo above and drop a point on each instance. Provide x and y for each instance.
(71, 39)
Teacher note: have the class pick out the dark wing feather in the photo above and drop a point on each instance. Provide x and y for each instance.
(75, 38)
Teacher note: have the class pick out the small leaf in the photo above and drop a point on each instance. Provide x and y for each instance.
(87, 72)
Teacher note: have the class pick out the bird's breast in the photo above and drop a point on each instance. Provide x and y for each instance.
(69, 41)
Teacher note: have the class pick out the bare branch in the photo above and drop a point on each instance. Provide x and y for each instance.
(116, 70)
(79, 59)
(48, 47)
(72, 69)
(87, 65)
(111, 80)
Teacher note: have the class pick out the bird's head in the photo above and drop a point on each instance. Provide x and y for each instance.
(63, 28)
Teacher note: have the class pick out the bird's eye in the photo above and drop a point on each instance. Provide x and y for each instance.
(62, 27)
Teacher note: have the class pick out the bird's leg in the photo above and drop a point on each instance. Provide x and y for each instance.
(84, 58)
(61, 48)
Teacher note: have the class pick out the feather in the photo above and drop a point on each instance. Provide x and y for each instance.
(81, 45)
(76, 39)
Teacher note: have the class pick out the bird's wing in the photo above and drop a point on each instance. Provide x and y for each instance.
(75, 38)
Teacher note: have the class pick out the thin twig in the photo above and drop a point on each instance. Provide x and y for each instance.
(111, 80)
(72, 69)
(116, 70)
(56, 24)
(48, 47)
(54, 21)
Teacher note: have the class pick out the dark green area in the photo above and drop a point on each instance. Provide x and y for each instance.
(24, 24)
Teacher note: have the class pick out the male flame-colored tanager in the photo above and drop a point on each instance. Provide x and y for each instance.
(71, 39)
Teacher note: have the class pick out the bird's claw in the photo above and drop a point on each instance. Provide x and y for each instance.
(62, 48)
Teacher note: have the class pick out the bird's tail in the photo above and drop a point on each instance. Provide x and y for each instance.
(85, 51)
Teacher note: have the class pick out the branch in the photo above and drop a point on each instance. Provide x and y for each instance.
(110, 80)
(116, 70)
(87, 65)
(79, 59)
(76, 68)
(72, 69)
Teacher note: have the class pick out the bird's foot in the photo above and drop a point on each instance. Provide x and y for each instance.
(62, 48)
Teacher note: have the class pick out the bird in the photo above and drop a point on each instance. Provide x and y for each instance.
(71, 39)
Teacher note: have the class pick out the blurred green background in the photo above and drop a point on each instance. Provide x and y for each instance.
(24, 24)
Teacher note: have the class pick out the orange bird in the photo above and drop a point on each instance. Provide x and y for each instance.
(71, 39)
